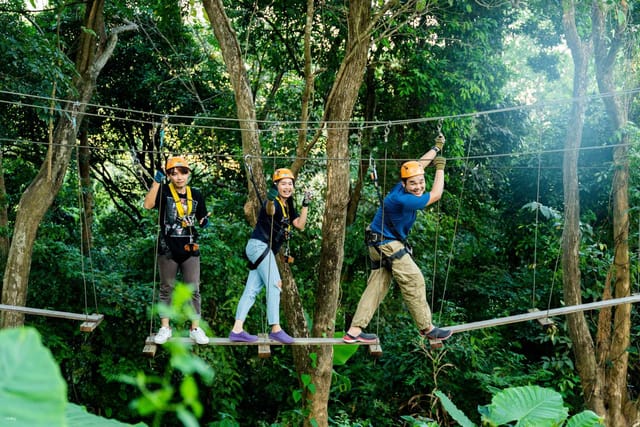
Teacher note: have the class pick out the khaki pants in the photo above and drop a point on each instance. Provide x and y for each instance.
(409, 279)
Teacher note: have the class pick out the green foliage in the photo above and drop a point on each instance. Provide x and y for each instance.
(32, 391)
(527, 405)
(481, 247)
(159, 395)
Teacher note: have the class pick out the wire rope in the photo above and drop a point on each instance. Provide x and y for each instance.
(319, 124)
(160, 199)
(84, 225)
(384, 187)
(535, 237)
(353, 159)
(455, 231)
(267, 285)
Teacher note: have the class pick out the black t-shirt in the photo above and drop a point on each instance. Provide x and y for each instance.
(177, 233)
(272, 229)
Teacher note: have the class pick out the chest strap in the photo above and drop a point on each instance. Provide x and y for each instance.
(176, 198)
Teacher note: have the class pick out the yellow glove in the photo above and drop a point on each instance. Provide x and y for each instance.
(439, 143)
(439, 163)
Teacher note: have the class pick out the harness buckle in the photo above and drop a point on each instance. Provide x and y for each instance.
(372, 238)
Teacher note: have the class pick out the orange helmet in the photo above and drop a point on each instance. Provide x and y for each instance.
(281, 173)
(175, 162)
(409, 169)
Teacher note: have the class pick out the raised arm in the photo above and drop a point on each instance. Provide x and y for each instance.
(428, 157)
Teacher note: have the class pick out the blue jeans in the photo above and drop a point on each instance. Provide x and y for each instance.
(266, 273)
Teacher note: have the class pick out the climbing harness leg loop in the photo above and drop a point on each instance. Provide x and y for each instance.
(374, 240)
(254, 265)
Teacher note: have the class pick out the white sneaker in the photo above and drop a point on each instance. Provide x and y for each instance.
(163, 335)
(199, 336)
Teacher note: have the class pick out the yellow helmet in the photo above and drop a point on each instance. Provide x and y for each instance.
(175, 162)
(281, 173)
(409, 169)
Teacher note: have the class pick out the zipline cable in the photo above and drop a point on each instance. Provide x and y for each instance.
(84, 237)
(157, 155)
(535, 237)
(319, 124)
(14, 141)
(455, 230)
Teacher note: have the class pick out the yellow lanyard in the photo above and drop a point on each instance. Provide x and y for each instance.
(176, 198)
(285, 212)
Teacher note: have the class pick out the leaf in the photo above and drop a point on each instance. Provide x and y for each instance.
(453, 410)
(585, 419)
(32, 391)
(528, 405)
(187, 418)
(343, 352)
(77, 416)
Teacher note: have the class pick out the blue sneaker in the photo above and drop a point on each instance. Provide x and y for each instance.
(363, 338)
(281, 336)
(242, 337)
(437, 334)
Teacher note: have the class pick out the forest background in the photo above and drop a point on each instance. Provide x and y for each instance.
(537, 102)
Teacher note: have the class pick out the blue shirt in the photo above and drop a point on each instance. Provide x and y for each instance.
(400, 212)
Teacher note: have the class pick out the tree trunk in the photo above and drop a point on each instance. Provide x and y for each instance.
(4, 218)
(622, 411)
(232, 55)
(583, 344)
(338, 112)
(35, 201)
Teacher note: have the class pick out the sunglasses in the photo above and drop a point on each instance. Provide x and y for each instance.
(181, 169)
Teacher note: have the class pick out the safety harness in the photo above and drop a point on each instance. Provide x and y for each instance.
(374, 239)
(287, 235)
(191, 246)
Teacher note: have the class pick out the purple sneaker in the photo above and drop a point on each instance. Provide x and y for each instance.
(242, 337)
(281, 336)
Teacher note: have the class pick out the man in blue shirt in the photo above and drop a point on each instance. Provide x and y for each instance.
(389, 253)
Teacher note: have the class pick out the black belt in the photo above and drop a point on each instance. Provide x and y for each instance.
(254, 265)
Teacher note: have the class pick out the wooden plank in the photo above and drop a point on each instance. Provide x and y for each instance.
(264, 343)
(52, 313)
(267, 341)
(534, 315)
(90, 321)
(435, 344)
(375, 350)
(545, 321)
(150, 347)
(90, 326)
(264, 349)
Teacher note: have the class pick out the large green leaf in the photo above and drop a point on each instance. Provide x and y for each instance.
(77, 416)
(32, 391)
(342, 352)
(453, 410)
(528, 405)
(585, 419)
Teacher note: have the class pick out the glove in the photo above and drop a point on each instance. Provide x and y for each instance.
(160, 176)
(439, 163)
(439, 143)
(308, 197)
(272, 193)
(204, 222)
